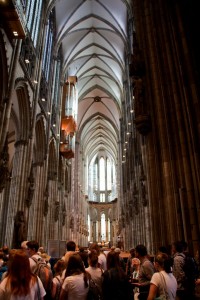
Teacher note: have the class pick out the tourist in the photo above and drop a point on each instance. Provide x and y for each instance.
(20, 282)
(76, 283)
(163, 283)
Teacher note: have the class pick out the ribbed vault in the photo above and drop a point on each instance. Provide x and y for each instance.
(93, 35)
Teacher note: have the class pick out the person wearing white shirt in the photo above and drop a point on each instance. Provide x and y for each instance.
(163, 282)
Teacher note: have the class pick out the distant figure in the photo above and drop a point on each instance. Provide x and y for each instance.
(121, 260)
(112, 248)
(101, 256)
(129, 266)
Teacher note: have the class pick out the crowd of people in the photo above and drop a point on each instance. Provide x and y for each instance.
(30, 273)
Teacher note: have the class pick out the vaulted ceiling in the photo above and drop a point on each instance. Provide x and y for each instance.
(93, 35)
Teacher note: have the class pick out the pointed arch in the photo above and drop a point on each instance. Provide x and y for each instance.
(23, 99)
(52, 163)
(61, 170)
(40, 141)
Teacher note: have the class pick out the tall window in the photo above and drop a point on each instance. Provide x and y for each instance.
(56, 83)
(102, 174)
(95, 175)
(109, 175)
(109, 239)
(33, 15)
(88, 221)
(46, 59)
(103, 227)
(102, 179)
(102, 197)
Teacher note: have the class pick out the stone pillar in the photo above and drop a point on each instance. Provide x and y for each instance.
(170, 103)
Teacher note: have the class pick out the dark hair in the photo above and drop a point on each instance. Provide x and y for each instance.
(163, 249)
(141, 249)
(75, 266)
(164, 261)
(113, 262)
(71, 246)
(178, 246)
(185, 245)
(33, 245)
(93, 258)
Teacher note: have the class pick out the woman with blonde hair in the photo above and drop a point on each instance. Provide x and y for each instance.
(20, 283)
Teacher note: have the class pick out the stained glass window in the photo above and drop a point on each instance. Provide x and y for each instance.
(102, 174)
(103, 227)
(109, 177)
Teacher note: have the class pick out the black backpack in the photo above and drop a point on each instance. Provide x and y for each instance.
(190, 269)
(93, 293)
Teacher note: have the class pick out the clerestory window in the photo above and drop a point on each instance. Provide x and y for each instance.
(33, 15)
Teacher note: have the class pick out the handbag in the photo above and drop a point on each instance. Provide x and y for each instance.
(165, 295)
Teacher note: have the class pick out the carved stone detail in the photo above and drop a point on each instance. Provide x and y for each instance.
(46, 201)
(31, 188)
(135, 199)
(21, 142)
(143, 187)
(20, 230)
(63, 215)
(56, 212)
(4, 171)
(137, 72)
(71, 225)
